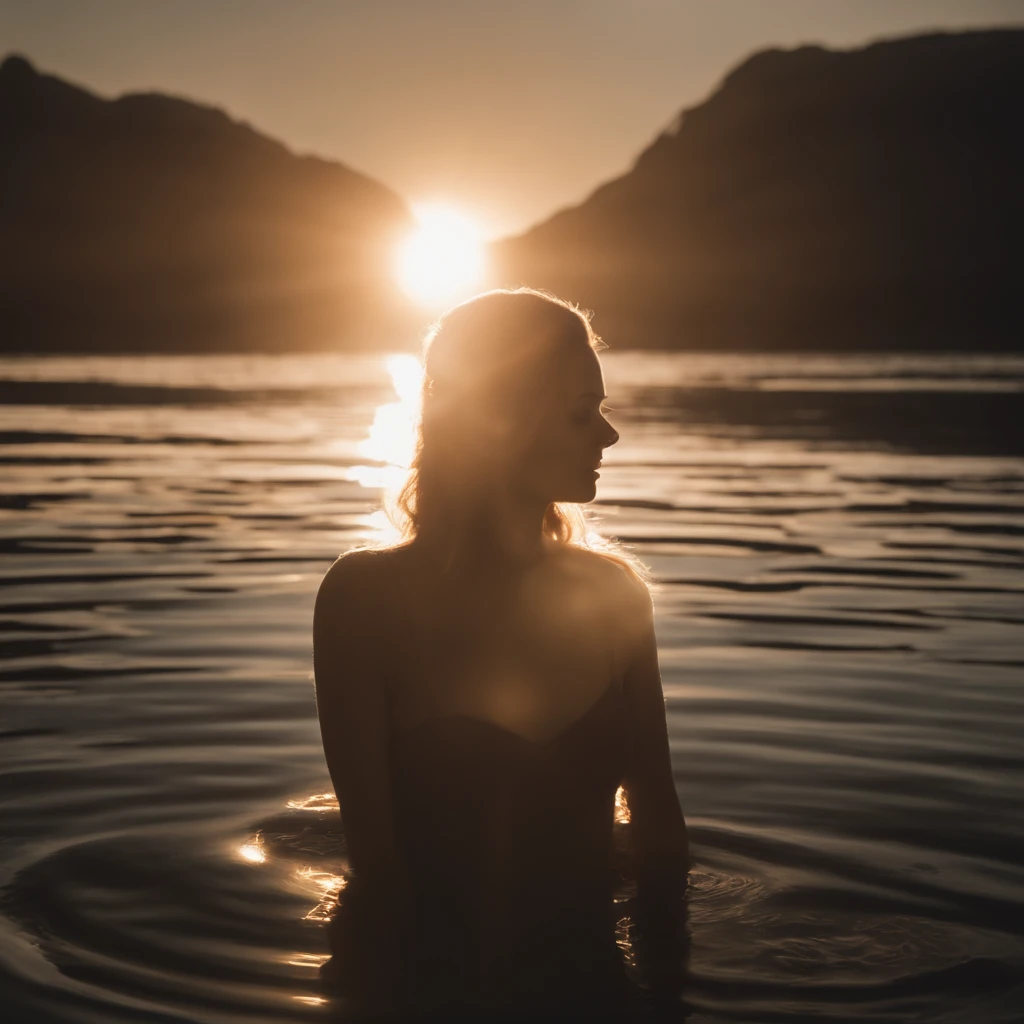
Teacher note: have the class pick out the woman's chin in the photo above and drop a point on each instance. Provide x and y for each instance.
(580, 494)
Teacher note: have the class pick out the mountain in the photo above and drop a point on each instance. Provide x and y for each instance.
(151, 223)
(864, 199)
(847, 200)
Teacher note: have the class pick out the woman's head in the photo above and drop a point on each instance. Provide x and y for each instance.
(511, 402)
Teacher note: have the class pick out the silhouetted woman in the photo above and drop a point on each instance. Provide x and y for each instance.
(485, 686)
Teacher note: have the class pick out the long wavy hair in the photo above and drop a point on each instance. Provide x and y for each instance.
(485, 361)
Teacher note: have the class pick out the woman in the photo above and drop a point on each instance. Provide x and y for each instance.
(484, 687)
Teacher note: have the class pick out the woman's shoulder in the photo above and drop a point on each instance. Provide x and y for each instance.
(359, 576)
(610, 576)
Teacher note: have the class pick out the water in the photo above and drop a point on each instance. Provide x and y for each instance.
(840, 544)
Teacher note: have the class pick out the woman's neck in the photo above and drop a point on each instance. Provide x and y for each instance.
(504, 530)
(494, 534)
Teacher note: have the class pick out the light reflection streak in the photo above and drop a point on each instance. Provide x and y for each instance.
(622, 816)
(326, 885)
(623, 928)
(314, 961)
(316, 802)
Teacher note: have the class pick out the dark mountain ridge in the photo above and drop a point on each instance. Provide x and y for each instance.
(818, 199)
(151, 222)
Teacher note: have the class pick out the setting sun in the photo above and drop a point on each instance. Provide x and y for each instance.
(443, 260)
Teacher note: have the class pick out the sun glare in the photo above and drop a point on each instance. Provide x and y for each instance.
(442, 262)
(392, 436)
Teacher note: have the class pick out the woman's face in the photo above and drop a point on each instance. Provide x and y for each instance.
(567, 429)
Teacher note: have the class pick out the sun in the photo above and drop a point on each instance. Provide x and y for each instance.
(442, 261)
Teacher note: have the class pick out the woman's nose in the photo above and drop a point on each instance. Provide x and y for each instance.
(613, 437)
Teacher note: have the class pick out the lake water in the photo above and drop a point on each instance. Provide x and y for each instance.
(840, 549)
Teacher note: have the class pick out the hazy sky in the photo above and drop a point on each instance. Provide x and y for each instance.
(510, 109)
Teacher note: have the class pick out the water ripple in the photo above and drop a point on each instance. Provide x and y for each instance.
(837, 542)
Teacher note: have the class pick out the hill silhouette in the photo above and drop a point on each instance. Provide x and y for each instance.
(865, 199)
(818, 199)
(152, 223)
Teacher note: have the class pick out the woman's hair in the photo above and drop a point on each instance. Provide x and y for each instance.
(485, 362)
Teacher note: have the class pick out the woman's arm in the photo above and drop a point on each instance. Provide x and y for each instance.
(350, 645)
(660, 844)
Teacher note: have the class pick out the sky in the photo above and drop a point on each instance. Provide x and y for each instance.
(508, 109)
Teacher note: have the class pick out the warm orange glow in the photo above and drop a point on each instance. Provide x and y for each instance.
(391, 440)
(326, 886)
(392, 435)
(316, 802)
(442, 262)
(253, 851)
(624, 940)
(621, 807)
(314, 961)
(380, 529)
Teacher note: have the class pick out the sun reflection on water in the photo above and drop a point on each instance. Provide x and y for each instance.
(392, 435)
(326, 885)
(310, 1000)
(624, 940)
(314, 961)
(316, 802)
(622, 816)
(253, 851)
(379, 529)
